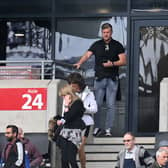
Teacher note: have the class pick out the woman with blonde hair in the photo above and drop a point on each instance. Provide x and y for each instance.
(71, 135)
(77, 82)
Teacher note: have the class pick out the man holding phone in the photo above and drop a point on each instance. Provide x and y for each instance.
(109, 56)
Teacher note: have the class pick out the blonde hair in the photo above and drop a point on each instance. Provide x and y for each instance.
(68, 90)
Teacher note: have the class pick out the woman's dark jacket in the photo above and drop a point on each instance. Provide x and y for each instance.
(73, 117)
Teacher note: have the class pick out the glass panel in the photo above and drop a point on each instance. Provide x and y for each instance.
(153, 66)
(74, 37)
(149, 4)
(28, 40)
(64, 7)
(23, 43)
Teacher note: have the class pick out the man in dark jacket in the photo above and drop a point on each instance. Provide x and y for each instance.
(34, 155)
(161, 159)
(163, 144)
(13, 154)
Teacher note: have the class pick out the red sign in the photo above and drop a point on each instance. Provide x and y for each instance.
(23, 98)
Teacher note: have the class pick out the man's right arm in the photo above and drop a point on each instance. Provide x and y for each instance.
(34, 155)
(37, 157)
(84, 58)
(20, 152)
(117, 165)
(145, 158)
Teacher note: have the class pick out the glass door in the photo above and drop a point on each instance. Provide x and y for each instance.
(150, 67)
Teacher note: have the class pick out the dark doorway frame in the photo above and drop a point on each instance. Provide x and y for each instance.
(136, 23)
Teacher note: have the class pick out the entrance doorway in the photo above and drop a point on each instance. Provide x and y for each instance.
(150, 59)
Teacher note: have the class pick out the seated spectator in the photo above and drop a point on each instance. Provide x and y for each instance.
(34, 155)
(133, 156)
(161, 159)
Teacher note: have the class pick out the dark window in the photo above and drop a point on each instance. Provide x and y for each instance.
(149, 4)
(26, 8)
(64, 7)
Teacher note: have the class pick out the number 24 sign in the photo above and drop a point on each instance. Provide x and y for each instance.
(23, 98)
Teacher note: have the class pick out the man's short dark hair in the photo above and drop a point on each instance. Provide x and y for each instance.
(76, 78)
(130, 133)
(14, 128)
(106, 25)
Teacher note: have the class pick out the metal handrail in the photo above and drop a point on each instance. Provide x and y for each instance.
(38, 68)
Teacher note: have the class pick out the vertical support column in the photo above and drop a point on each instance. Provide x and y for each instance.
(55, 156)
(53, 24)
(163, 110)
(3, 39)
(42, 70)
(54, 108)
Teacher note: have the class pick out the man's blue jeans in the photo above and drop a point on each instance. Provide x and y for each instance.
(106, 87)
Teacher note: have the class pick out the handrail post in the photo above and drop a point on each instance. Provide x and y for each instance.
(42, 70)
(53, 70)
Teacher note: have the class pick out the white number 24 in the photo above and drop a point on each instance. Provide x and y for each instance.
(37, 101)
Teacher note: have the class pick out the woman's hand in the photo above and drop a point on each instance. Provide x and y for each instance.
(59, 122)
(67, 100)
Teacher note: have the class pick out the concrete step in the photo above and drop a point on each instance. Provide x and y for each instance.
(119, 140)
(109, 148)
(100, 157)
(100, 164)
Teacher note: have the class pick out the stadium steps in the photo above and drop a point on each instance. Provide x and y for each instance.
(102, 152)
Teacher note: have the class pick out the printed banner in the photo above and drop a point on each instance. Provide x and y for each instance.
(23, 98)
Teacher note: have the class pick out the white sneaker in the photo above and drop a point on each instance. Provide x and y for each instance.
(108, 132)
(95, 131)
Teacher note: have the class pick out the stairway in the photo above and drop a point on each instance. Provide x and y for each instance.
(102, 152)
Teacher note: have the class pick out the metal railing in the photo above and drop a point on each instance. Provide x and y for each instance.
(35, 69)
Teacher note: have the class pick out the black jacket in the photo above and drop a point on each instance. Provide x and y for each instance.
(155, 165)
(14, 156)
(73, 117)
